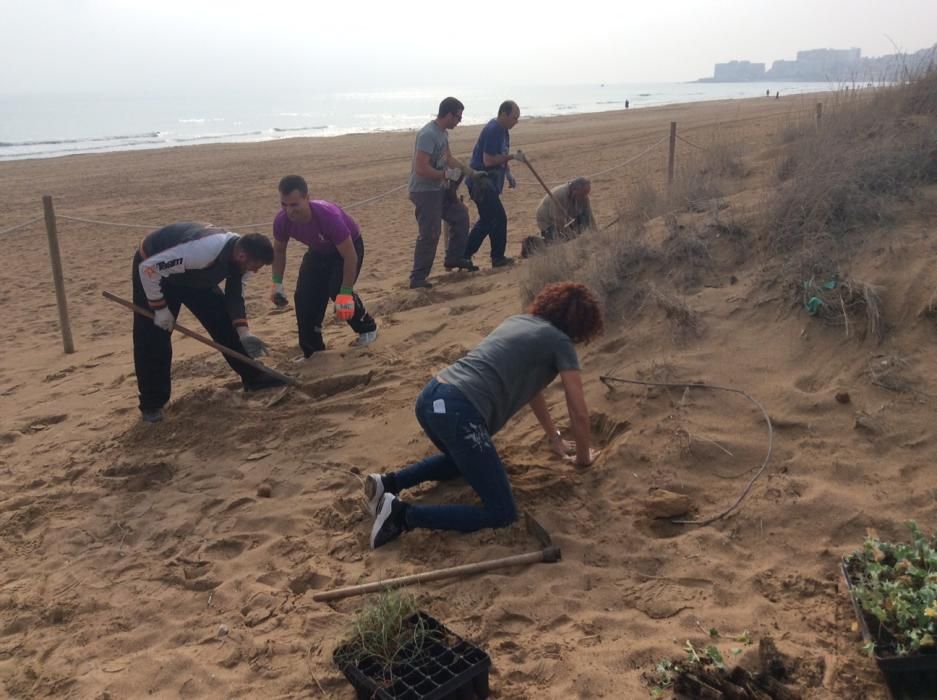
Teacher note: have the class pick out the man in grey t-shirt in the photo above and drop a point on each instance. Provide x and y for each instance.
(434, 175)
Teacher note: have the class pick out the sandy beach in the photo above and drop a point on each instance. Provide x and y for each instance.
(126, 547)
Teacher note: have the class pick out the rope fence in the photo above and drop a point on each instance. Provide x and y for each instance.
(393, 190)
(19, 226)
(690, 143)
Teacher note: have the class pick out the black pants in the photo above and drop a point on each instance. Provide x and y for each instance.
(320, 279)
(152, 346)
(492, 222)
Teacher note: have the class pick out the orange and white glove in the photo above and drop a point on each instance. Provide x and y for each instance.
(344, 304)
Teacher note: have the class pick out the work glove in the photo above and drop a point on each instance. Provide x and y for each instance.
(163, 318)
(453, 173)
(519, 156)
(344, 304)
(512, 183)
(253, 345)
(278, 295)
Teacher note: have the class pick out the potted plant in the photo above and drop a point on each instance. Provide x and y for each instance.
(394, 650)
(894, 591)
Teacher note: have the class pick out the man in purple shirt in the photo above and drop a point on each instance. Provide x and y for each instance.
(329, 269)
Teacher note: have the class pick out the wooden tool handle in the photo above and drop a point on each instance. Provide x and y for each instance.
(550, 554)
(202, 339)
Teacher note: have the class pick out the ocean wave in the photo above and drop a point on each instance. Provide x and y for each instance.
(90, 139)
(209, 137)
(298, 128)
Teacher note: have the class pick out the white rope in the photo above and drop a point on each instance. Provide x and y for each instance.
(374, 199)
(19, 226)
(346, 207)
(107, 223)
(630, 160)
(690, 143)
(607, 170)
(153, 227)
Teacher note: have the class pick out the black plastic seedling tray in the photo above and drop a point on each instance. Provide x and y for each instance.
(448, 668)
(912, 677)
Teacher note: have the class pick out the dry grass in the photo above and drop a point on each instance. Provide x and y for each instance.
(685, 323)
(686, 254)
(852, 304)
(867, 152)
(893, 373)
(611, 263)
(694, 187)
(724, 159)
(644, 203)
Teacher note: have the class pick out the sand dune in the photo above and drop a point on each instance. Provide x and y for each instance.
(125, 547)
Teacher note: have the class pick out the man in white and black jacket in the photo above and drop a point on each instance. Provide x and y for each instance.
(184, 263)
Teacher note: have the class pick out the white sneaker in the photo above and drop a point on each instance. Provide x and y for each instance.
(385, 527)
(364, 339)
(373, 492)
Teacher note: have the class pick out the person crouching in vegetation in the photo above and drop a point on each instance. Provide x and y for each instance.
(566, 212)
(468, 402)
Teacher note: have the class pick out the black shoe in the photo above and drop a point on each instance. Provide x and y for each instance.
(461, 264)
(421, 285)
(503, 261)
(314, 343)
(151, 415)
(262, 381)
(389, 521)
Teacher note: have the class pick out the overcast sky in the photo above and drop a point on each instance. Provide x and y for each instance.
(209, 46)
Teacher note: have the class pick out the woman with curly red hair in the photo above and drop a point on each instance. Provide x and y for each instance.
(471, 400)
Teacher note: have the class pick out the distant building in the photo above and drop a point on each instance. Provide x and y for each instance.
(819, 64)
(830, 66)
(741, 71)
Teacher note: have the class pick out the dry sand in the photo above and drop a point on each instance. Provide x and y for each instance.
(125, 547)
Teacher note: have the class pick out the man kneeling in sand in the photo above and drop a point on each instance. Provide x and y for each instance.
(566, 212)
(330, 267)
(468, 402)
(183, 264)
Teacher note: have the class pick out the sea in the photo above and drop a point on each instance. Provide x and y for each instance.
(49, 126)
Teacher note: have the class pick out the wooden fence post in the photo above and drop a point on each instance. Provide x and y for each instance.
(56, 259)
(670, 156)
(819, 112)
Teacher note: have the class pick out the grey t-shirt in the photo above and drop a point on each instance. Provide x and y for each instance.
(511, 366)
(433, 140)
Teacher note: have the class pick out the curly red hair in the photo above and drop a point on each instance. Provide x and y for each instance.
(571, 307)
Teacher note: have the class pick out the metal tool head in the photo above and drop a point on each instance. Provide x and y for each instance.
(537, 530)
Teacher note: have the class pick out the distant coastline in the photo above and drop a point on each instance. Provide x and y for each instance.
(827, 66)
(34, 127)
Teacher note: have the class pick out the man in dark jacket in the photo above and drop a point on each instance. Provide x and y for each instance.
(184, 263)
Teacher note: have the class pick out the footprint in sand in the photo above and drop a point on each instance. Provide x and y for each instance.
(137, 477)
(37, 424)
(226, 548)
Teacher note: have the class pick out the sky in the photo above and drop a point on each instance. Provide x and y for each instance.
(216, 46)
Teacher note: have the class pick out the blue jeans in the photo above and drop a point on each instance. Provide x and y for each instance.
(458, 430)
(493, 223)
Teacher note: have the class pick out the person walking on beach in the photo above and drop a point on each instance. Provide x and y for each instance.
(329, 269)
(566, 212)
(432, 171)
(183, 264)
(463, 406)
(492, 154)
